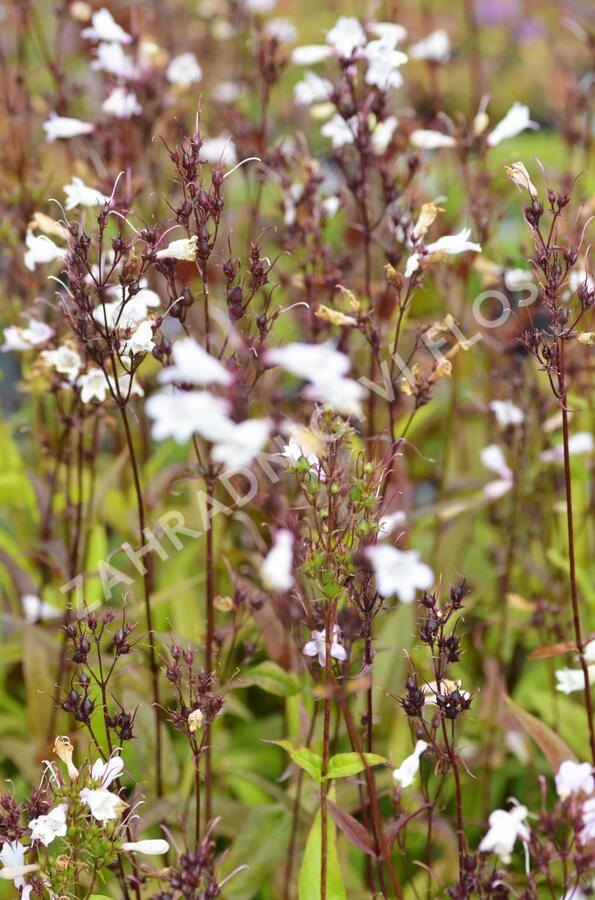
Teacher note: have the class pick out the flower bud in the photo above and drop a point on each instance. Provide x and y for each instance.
(64, 750)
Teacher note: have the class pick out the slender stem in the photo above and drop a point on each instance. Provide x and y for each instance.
(330, 618)
(210, 636)
(147, 583)
(576, 620)
(459, 799)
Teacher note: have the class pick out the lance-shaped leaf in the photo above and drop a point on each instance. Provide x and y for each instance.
(553, 747)
(306, 759)
(344, 765)
(353, 830)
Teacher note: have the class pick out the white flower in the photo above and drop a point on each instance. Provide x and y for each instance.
(383, 64)
(155, 847)
(435, 47)
(493, 458)
(382, 135)
(276, 567)
(504, 831)
(310, 54)
(588, 831)
(389, 522)
(104, 28)
(219, 150)
(313, 362)
(93, 385)
(339, 131)
(236, 445)
(388, 31)
(260, 6)
(331, 205)
(141, 341)
(578, 444)
(454, 243)
(104, 805)
(40, 249)
(341, 394)
(317, 646)
(106, 772)
(184, 70)
(399, 572)
(112, 59)
(574, 778)
(312, 89)
(78, 194)
(125, 388)
(412, 265)
(126, 314)
(293, 451)
(12, 857)
(405, 774)
(282, 30)
(227, 92)
(53, 825)
(518, 174)
(64, 127)
(122, 104)
(571, 680)
(37, 610)
(180, 414)
(516, 120)
(193, 365)
(184, 249)
(65, 361)
(517, 279)
(33, 334)
(431, 140)
(507, 413)
(346, 36)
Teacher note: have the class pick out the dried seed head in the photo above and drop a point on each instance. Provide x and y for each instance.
(195, 720)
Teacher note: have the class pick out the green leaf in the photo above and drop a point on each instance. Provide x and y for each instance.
(306, 759)
(343, 765)
(309, 880)
(271, 678)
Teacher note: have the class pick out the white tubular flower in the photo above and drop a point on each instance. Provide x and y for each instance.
(53, 825)
(141, 341)
(340, 132)
(310, 361)
(78, 194)
(571, 680)
(112, 60)
(184, 70)
(434, 48)
(514, 122)
(389, 522)
(382, 135)
(506, 413)
(104, 805)
(124, 315)
(63, 127)
(493, 458)
(105, 28)
(106, 772)
(40, 249)
(180, 414)
(122, 104)
(405, 774)
(399, 572)
(574, 778)
(588, 831)
(37, 610)
(12, 857)
(193, 365)
(506, 827)
(310, 54)
(383, 65)
(220, 150)
(93, 385)
(237, 444)
(32, 335)
(425, 139)
(276, 568)
(312, 89)
(344, 395)
(578, 444)
(454, 243)
(346, 36)
(155, 847)
(282, 30)
(64, 360)
(317, 646)
(388, 31)
(184, 249)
